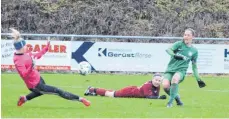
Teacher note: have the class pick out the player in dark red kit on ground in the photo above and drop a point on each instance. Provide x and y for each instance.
(24, 63)
(149, 90)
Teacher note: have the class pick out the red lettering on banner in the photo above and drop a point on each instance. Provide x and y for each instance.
(52, 48)
(56, 48)
(36, 48)
(62, 49)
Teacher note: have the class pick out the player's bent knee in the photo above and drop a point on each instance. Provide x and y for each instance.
(176, 78)
(166, 83)
(109, 93)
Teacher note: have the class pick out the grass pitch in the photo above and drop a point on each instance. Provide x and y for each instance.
(209, 102)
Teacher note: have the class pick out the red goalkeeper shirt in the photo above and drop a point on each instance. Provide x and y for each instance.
(23, 64)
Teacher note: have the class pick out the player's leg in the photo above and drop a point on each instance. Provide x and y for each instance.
(178, 100)
(127, 92)
(110, 93)
(46, 89)
(28, 97)
(177, 77)
(166, 85)
(97, 91)
(166, 81)
(34, 93)
(90, 91)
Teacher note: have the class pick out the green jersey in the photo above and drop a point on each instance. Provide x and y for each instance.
(190, 54)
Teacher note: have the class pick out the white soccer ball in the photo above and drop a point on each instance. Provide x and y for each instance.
(84, 68)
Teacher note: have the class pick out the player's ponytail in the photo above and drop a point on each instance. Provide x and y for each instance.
(15, 34)
(18, 41)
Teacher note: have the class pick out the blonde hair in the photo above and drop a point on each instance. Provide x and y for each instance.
(15, 34)
(18, 42)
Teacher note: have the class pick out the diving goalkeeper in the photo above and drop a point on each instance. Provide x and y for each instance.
(149, 90)
(24, 63)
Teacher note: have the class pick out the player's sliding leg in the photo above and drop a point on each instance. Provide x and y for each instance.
(46, 89)
(28, 97)
(34, 93)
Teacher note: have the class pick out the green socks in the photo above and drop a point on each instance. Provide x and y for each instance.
(173, 92)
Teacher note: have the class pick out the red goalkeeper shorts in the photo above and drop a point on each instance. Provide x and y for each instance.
(130, 91)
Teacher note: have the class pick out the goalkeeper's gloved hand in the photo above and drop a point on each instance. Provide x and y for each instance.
(201, 83)
(179, 57)
(162, 97)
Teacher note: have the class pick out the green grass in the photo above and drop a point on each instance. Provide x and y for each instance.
(209, 102)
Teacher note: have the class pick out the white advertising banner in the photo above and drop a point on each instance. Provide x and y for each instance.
(144, 57)
(116, 56)
(212, 58)
(58, 56)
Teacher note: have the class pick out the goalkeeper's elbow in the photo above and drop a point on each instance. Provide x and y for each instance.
(170, 51)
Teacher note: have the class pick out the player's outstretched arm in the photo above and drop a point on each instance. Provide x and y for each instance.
(156, 97)
(196, 74)
(43, 51)
(172, 49)
(171, 53)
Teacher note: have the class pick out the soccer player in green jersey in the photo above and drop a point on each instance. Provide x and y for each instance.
(182, 52)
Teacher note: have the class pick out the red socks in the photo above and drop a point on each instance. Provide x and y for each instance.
(100, 91)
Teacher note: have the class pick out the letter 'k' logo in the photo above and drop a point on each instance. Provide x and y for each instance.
(226, 53)
(102, 52)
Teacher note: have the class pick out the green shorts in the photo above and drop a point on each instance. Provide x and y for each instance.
(169, 75)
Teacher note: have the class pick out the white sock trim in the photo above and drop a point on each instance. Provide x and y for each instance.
(109, 94)
(25, 98)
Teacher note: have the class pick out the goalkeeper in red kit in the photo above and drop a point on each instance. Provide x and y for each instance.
(149, 90)
(24, 63)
